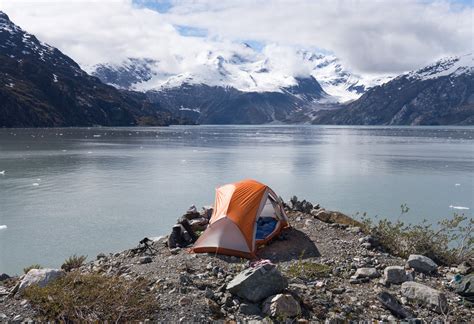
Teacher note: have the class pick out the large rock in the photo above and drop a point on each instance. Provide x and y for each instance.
(281, 306)
(395, 275)
(391, 303)
(366, 273)
(425, 295)
(420, 263)
(255, 284)
(40, 277)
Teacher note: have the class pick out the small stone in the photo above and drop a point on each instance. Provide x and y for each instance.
(145, 259)
(354, 229)
(338, 290)
(308, 222)
(209, 293)
(183, 301)
(421, 263)
(101, 256)
(395, 275)
(175, 250)
(366, 273)
(281, 306)
(359, 280)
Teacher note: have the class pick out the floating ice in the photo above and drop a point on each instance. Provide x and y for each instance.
(97, 135)
(458, 207)
(36, 184)
(457, 184)
(2, 172)
(3, 227)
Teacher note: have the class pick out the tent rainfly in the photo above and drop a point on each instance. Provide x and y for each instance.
(247, 214)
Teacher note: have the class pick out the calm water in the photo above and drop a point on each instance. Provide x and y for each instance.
(86, 191)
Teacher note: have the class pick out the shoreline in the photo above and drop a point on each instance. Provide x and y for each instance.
(192, 287)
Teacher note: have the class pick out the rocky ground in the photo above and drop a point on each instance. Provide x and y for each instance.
(324, 272)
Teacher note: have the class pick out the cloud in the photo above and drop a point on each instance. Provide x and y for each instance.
(369, 36)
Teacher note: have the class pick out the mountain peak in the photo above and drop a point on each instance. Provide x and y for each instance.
(445, 67)
(4, 16)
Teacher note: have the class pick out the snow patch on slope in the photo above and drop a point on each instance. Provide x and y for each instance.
(455, 66)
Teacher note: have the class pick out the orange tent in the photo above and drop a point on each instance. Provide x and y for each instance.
(240, 208)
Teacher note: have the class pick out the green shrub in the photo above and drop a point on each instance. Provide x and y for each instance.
(92, 297)
(33, 266)
(73, 262)
(308, 270)
(450, 242)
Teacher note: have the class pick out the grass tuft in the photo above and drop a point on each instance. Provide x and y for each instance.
(73, 262)
(92, 297)
(308, 270)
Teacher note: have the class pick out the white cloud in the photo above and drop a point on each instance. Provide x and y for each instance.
(370, 36)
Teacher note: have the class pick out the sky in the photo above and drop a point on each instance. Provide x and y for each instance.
(369, 36)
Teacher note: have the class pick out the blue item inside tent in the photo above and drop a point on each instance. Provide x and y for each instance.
(265, 226)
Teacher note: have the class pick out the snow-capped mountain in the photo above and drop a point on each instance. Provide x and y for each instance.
(449, 66)
(40, 86)
(337, 80)
(129, 72)
(439, 94)
(245, 70)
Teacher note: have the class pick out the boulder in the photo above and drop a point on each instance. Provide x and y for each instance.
(4, 277)
(255, 284)
(395, 275)
(425, 295)
(40, 277)
(321, 214)
(391, 303)
(420, 263)
(366, 273)
(281, 306)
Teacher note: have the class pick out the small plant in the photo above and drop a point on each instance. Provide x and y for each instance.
(33, 266)
(73, 262)
(450, 242)
(307, 269)
(92, 297)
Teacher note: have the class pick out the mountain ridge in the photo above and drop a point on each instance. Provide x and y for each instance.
(40, 86)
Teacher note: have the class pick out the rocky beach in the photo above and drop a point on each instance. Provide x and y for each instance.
(324, 268)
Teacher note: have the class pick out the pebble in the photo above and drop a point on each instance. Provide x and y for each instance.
(145, 259)
(183, 301)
